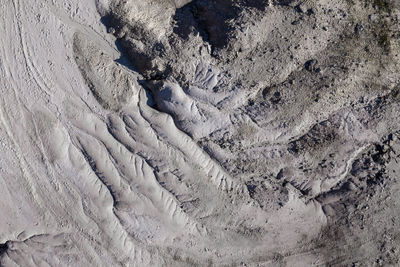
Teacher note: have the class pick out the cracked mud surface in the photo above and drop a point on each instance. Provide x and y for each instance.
(200, 133)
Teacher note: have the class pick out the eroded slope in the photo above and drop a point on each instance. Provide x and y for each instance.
(200, 133)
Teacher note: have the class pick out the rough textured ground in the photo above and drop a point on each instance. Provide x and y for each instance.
(200, 133)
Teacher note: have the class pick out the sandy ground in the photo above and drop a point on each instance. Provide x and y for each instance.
(199, 133)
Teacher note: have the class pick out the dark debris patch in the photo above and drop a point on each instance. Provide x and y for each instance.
(210, 19)
(3, 248)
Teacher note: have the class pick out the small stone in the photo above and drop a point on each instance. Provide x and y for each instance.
(310, 12)
(311, 65)
(298, 8)
(111, 30)
(358, 28)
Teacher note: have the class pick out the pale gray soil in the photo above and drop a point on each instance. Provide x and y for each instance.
(200, 133)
